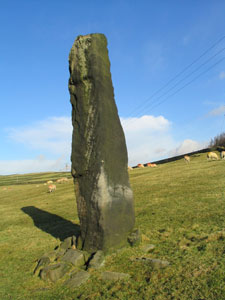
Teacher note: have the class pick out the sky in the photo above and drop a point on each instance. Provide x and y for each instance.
(168, 71)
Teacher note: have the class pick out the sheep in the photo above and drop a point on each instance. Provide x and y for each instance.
(129, 168)
(222, 154)
(212, 155)
(140, 166)
(187, 158)
(50, 182)
(61, 180)
(51, 188)
(153, 165)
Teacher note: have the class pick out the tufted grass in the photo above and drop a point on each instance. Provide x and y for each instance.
(180, 208)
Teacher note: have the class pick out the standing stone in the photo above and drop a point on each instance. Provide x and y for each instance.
(99, 155)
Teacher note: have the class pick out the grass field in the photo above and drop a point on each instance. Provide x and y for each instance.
(180, 208)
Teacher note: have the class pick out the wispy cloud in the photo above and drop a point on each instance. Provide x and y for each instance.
(217, 111)
(52, 135)
(187, 146)
(222, 75)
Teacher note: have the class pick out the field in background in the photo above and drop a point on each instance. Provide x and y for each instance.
(180, 208)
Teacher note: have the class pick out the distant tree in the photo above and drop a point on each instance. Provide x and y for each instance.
(218, 142)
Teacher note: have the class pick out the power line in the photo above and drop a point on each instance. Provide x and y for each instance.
(177, 75)
(188, 83)
(183, 79)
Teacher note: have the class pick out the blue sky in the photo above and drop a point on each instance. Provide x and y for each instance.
(149, 43)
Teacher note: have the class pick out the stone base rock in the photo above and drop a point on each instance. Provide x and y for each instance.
(75, 257)
(97, 261)
(114, 276)
(54, 272)
(77, 279)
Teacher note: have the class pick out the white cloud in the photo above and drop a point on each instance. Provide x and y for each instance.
(38, 164)
(217, 111)
(52, 135)
(187, 146)
(147, 138)
(145, 123)
(222, 75)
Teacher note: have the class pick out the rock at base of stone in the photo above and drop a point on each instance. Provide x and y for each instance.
(114, 276)
(134, 238)
(43, 261)
(54, 272)
(97, 261)
(75, 257)
(77, 279)
(68, 243)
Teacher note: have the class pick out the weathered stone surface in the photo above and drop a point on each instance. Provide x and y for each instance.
(51, 255)
(99, 154)
(134, 237)
(77, 279)
(74, 257)
(67, 243)
(43, 261)
(97, 261)
(54, 272)
(114, 276)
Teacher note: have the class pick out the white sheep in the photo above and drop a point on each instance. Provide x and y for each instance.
(187, 158)
(212, 155)
(140, 166)
(222, 154)
(61, 180)
(51, 188)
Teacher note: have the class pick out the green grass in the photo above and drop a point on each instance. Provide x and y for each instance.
(180, 208)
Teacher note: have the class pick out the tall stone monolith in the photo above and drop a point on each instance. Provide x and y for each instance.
(99, 155)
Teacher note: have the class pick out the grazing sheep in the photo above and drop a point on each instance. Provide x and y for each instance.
(49, 182)
(222, 154)
(212, 155)
(187, 158)
(153, 165)
(61, 180)
(51, 188)
(140, 166)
